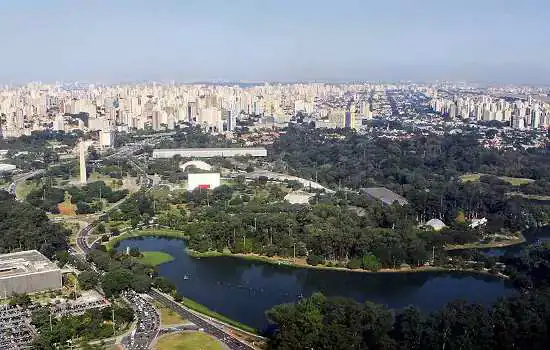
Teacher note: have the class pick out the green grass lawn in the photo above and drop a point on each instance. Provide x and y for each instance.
(23, 188)
(193, 305)
(162, 232)
(155, 258)
(514, 181)
(533, 197)
(188, 341)
(167, 316)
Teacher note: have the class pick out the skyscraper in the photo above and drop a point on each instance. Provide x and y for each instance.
(83, 179)
(348, 122)
(230, 121)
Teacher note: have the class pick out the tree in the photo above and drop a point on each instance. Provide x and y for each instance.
(141, 283)
(25, 227)
(134, 251)
(459, 325)
(100, 228)
(114, 282)
(298, 326)
(354, 264)
(370, 262)
(62, 258)
(20, 299)
(88, 280)
(460, 218)
(163, 284)
(408, 329)
(314, 260)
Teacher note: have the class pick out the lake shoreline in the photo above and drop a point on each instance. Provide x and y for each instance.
(502, 244)
(244, 291)
(279, 261)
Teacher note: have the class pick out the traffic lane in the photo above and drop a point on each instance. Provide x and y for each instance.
(208, 328)
(148, 323)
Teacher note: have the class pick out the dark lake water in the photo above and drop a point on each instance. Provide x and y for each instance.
(244, 290)
(532, 237)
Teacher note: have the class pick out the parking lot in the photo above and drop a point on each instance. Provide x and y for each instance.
(16, 331)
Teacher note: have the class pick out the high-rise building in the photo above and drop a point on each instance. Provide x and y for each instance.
(452, 111)
(230, 121)
(106, 138)
(192, 111)
(59, 123)
(155, 123)
(348, 120)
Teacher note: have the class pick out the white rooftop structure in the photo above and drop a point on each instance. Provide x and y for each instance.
(197, 164)
(298, 197)
(209, 152)
(478, 222)
(7, 167)
(436, 224)
(203, 181)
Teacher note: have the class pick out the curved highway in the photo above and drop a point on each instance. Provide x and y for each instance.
(208, 327)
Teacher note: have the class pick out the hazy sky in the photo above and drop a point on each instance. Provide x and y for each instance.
(278, 40)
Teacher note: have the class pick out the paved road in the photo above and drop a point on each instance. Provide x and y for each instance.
(22, 177)
(203, 324)
(284, 177)
(146, 332)
(82, 238)
(148, 323)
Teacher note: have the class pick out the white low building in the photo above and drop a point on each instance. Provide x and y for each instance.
(207, 181)
(209, 152)
(298, 197)
(436, 224)
(478, 222)
(4, 168)
(197, 164)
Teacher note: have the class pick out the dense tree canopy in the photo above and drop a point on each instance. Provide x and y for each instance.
(24, 227)
(93, 324)
(87, 198)
(424, 169)
(520, 322)
(121, 272)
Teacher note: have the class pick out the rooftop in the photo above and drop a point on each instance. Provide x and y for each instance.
(436, 224)
(207, 149)
(386, 196)
(23, 263)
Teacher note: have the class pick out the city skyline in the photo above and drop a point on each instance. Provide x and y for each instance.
(487, 42)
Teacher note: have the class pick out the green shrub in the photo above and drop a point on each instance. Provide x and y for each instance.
(354, 264)
(314, 260)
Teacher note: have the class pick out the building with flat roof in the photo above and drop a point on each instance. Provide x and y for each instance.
(4, 168)
(384, 195)
(209, 152)
(205, 181)
(28, 272)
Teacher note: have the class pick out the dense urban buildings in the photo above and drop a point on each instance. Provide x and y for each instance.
(222, 108)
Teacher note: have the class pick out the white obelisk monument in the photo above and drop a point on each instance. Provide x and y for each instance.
(82, 163)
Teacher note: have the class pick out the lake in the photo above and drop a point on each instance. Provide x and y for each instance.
(243, 290)
(532, 237)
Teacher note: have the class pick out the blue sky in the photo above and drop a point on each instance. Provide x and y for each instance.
(275, 40)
